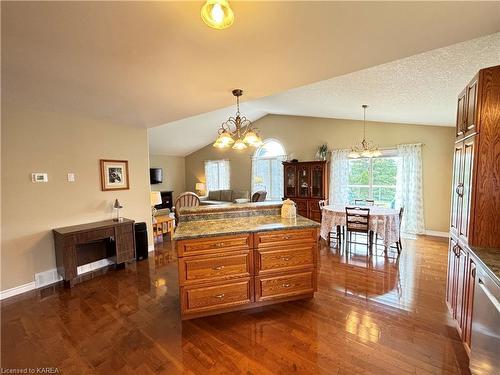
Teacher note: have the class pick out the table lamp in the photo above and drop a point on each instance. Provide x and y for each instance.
(117, 206)
(155, 197)
(200, 187)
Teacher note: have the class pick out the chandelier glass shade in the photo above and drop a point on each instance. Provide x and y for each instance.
(237, 132)
(217, 14)
(365, 149)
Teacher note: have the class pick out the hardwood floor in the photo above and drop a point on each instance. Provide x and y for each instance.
(369, 316)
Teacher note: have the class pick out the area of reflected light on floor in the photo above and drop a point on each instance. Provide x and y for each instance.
(371, 315)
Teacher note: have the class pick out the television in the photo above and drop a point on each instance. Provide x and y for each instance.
(155, 175)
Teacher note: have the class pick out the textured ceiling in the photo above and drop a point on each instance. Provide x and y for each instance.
(420, 89)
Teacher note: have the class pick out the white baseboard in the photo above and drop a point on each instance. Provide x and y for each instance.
(151, 248)
(436, 233)
(17, 290)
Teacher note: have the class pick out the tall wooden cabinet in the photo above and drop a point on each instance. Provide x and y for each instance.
(306, 183)
(475, 203)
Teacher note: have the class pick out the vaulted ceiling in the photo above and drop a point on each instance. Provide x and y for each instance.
(156, 63)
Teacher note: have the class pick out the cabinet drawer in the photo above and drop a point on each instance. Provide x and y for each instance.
(204, 298)
(284, 237)
(213, 245)
(215, 267)
(282, 259)
(275, 287)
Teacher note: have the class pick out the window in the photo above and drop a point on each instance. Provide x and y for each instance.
(267, 170)
(217, 174)
(373, 178)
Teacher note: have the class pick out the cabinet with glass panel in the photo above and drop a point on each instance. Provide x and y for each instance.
(306, 183)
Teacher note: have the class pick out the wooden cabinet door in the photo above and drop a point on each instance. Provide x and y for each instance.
(471, 283)
(461, 287)
(456, 200)
(465, 187)
(451, 279)
(470, 120)
(318, 180)
(461, 114)
(303, 181)
(290, 184)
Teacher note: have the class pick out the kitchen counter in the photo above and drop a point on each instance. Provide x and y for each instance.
(219, 227)
(490, 259)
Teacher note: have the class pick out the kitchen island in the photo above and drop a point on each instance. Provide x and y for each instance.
(243, 258)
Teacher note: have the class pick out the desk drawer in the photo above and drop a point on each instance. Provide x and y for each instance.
(276, 287)
(285, 237)
(212, 245)
(283, 259)
(215, 267)
(204, 298)
(94, 235)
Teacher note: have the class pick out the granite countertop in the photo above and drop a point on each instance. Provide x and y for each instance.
(230, 207)
(490, 257)
(209, 228)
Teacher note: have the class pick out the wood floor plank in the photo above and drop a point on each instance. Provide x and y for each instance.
(370, 315)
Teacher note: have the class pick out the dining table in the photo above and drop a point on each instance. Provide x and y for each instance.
(383, 221)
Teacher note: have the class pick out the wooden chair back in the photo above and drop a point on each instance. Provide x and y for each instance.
(259, 196)
(187, 199)
(357, 219)
(364, 202)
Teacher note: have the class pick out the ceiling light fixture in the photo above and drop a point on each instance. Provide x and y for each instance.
(364, 149)
(237, 131)
(217, 14)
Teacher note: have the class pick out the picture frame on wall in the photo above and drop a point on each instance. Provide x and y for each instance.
(114, 175)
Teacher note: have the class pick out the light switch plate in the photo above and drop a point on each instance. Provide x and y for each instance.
(39, 177)
(71, 177)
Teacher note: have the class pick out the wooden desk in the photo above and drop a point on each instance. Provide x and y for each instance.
(164, 224)
(86, 243)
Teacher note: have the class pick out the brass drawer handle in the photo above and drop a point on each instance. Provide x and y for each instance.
(219, 296)
(220, 244)
(286, 285)
(286, 237)
(218, 268)
(286, 258)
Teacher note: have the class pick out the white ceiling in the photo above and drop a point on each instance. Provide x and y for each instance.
(420, 89)
(152, 63)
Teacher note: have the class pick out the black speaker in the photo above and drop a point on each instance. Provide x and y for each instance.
(141, 241)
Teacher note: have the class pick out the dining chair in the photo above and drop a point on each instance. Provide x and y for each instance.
(335, 235)
(364, 202)
(399, 245)
(187, 199)
(357, 221)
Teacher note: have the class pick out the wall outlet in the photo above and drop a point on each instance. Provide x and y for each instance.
(71, 177)
(39, 177)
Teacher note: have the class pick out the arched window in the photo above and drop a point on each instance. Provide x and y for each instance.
(267, 170)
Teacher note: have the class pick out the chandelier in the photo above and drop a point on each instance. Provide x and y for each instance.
(366, 148)
(238, 131)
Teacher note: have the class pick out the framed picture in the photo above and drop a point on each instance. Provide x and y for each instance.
(114, 175)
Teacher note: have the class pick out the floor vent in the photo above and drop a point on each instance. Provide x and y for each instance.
(46, 278)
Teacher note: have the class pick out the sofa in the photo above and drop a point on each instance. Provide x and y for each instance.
(223, 196)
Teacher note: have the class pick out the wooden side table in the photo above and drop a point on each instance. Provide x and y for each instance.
(163, 225)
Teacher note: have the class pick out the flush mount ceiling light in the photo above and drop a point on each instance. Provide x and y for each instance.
(366, 148)
(237, 131)
(217, 14)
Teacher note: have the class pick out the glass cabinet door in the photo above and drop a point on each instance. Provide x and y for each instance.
(303, 180)
(290, 181)
(317, 180)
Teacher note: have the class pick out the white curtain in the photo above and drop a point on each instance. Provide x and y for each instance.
(409, 188)
(339, 178)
